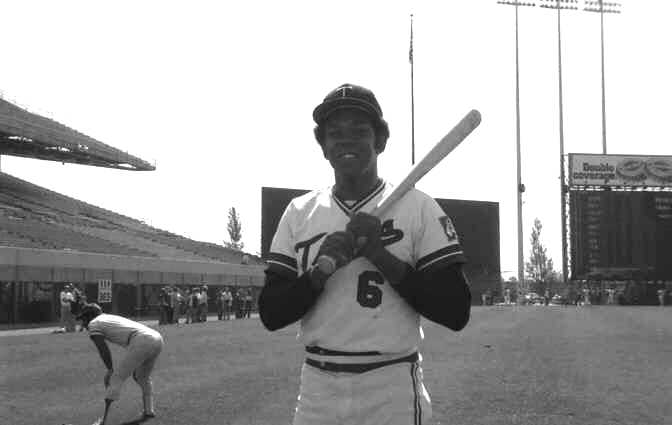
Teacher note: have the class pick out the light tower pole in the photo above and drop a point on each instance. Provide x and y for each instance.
(520, 188)
(410, 60)
(559, 5)
(602, 7)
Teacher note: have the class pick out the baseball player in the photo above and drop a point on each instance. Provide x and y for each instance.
(361, 325)
(143, 346)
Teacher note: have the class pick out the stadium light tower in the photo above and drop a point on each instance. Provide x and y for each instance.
(520, 188)
(560, 5)
(602, 7)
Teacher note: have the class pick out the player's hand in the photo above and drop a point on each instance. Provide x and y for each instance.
(337, 246)
(106, 380)
(98, 421)
(340, 246)
(366, 230)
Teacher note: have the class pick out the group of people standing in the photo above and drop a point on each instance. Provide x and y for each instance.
(238, 303)
(193, 304)
(190, 303)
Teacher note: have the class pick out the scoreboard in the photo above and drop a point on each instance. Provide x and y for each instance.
(621, 230)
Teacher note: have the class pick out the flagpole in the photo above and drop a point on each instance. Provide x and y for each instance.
(410, 59)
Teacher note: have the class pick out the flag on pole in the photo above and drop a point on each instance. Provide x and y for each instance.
(410, 49)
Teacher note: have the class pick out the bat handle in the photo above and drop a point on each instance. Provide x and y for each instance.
(326, 265)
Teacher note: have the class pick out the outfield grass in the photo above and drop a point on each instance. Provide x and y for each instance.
(511, 365)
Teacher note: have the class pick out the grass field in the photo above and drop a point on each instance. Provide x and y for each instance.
(510, 365)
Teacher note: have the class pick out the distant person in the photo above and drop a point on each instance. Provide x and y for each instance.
(192, 315)
(661, 297)
(486, 298)
(507, 296)
(179, 305)
(170, 308)
(611, 296)
(143, 346)
(247, 303)
(586, 296)
(220, 304)
(577, 298)
(163, 306)
(203, 304)
(238, 303)
(228, 303)
(79, 299)
(67, 319)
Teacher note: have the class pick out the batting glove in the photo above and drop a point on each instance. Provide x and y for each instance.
(366, 230)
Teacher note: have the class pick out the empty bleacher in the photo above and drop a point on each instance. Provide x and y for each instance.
(50, 234)
(34, 217)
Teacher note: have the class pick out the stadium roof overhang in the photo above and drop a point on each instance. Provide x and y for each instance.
(25, 134)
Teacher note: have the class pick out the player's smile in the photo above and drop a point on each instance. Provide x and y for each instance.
(350, 153)
(349, 141)
(347, 155)
(351, 159)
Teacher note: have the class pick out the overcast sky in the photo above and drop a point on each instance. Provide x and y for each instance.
(219, 96)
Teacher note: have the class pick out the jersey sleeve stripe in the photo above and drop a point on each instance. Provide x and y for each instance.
(282, 260)
(95, 332)
(453, 253)
(281, 269)
(282, 264)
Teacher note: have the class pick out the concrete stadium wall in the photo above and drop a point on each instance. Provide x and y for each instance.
(41, 265)
(32, 279)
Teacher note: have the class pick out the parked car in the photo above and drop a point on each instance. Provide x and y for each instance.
(558, 299)
(532, 298)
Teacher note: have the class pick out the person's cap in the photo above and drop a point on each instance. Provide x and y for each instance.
(89, 310)
(348, 96)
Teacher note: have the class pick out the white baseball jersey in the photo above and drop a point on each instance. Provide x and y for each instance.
(118, 329)
(358, 309)
(66, 298)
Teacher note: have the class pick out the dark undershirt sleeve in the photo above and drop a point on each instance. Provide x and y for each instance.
(441, 295)
(284, 300)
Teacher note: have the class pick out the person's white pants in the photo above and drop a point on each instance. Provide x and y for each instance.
(141, 355)
(389, 395)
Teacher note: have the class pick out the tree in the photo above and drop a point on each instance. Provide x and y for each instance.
(235, 229)
(539, 268)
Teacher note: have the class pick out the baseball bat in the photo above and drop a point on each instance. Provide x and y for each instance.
(446, 145)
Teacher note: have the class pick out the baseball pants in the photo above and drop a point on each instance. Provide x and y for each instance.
(388, 395)
(68, 319)
(141, 355)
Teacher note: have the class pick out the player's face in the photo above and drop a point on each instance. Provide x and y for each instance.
(350, 142)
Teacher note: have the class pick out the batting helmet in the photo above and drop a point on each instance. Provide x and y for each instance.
(89, 311)
(351, 96)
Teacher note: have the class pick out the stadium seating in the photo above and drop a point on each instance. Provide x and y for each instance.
(34, 217)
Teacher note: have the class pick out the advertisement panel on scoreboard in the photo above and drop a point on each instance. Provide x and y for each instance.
(620, 170)
(621, 230)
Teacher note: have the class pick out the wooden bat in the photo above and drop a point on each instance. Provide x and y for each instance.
(446, 145)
